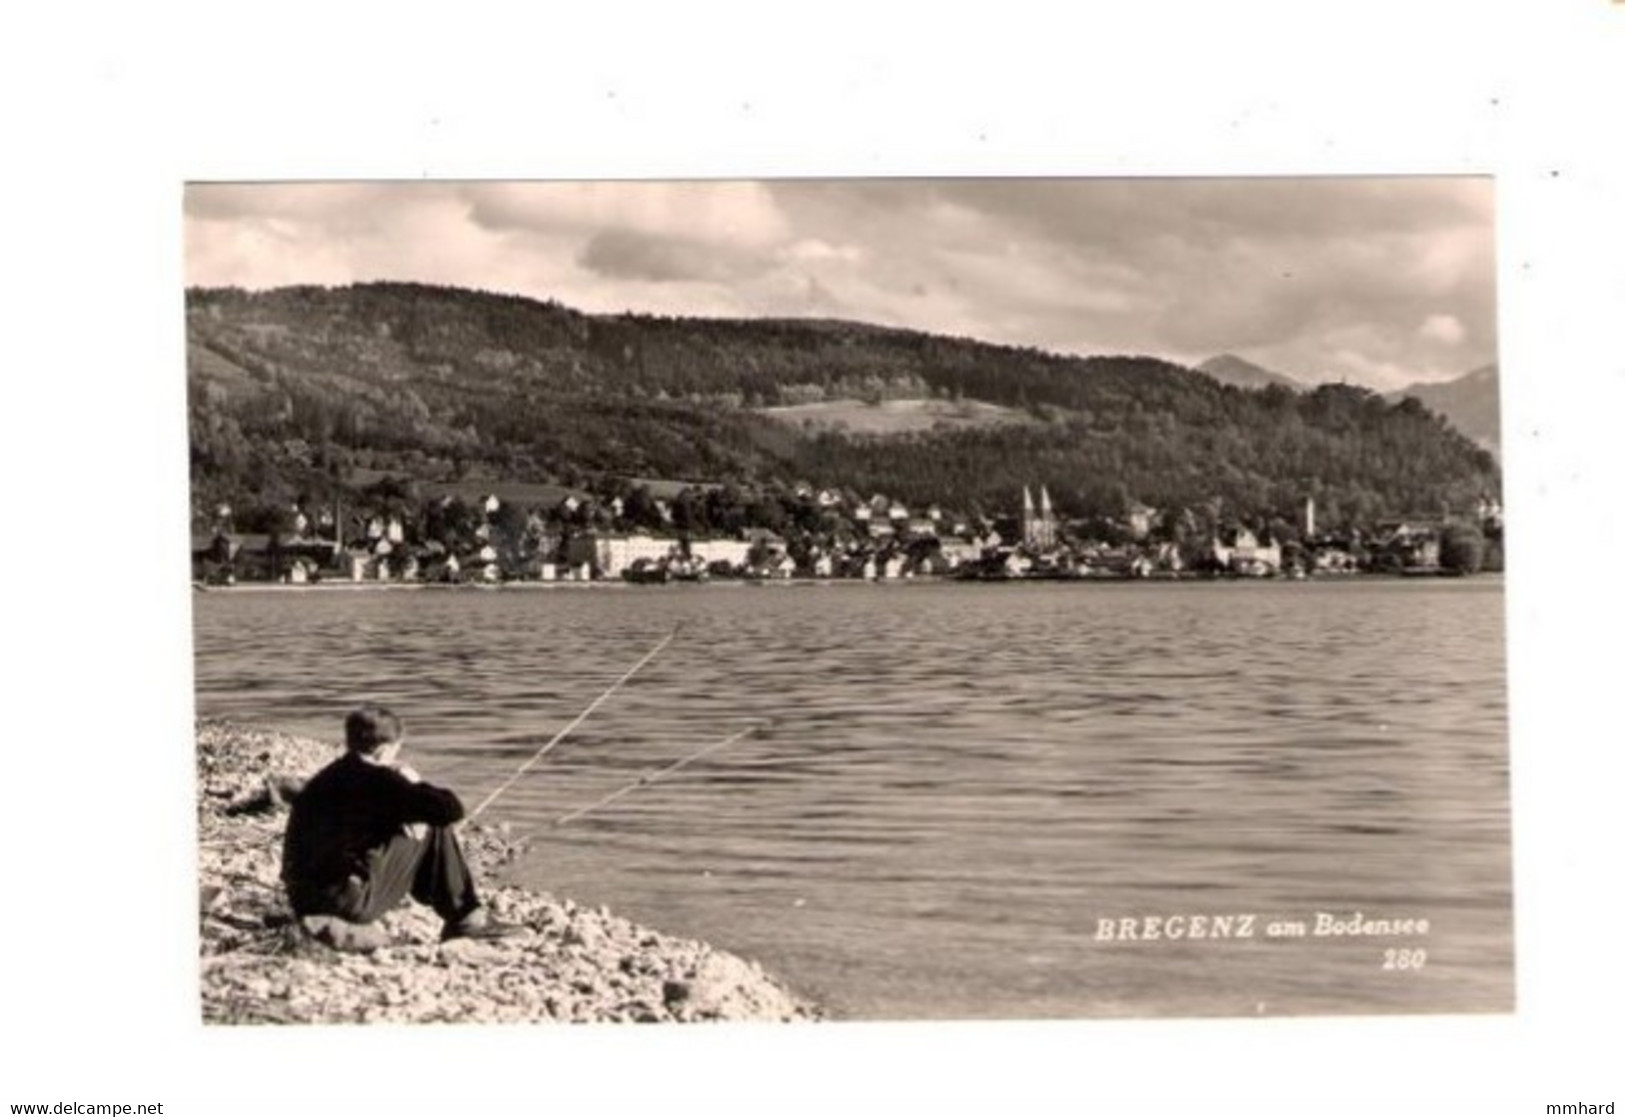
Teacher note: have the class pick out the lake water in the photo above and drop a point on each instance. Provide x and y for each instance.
(958, 783)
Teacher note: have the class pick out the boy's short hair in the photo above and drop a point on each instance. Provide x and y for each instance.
(370, 727)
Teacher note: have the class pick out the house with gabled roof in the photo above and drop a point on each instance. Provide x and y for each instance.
(1410, 545)
(483, 564)
(301, 571)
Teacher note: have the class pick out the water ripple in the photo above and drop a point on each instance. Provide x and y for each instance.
(955, 784)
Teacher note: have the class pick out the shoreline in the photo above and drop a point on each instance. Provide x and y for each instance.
(616, 584)
(257, 966)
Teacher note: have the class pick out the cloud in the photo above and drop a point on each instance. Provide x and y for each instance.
(265, 201)
(733, 214)
(1375, 372)
(622, 254)
(256, 235)
(1181, 267)
(1317, 277)
(1443, 328)
(818, 251)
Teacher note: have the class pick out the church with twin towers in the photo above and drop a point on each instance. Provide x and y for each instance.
(1039, 529)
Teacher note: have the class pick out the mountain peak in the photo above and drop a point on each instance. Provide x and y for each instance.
(1471, 402)
(1227, 368)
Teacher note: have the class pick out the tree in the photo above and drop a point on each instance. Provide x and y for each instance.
(767, 510)
(639, 395)
(1461, 549)
(688, 512)
(508, 528)
(451, 522)
(639, 508)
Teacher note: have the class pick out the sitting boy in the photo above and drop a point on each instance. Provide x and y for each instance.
(366, 831)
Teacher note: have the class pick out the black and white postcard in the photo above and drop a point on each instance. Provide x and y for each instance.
(1053, 598)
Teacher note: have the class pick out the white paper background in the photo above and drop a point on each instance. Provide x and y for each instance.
(107, 109)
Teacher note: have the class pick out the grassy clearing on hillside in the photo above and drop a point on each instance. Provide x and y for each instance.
(213, 368)
(664, 489)
(896, 416)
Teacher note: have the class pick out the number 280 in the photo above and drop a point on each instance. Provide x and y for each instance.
(1404, 958)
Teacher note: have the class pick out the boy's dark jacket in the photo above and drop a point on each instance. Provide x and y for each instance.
(347, 810)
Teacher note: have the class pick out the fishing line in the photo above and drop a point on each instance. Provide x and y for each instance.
(579, 718)
(651, 776)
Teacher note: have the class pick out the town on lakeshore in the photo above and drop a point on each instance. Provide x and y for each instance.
(669, 532)
(404, 434)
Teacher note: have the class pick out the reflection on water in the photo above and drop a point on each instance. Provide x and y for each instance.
(958, 782)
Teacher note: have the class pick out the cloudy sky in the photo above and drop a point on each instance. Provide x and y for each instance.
(1380, 281)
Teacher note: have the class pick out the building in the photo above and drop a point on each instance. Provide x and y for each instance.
(734, 552)
(485, 564)
(355, 563)
(959, 552)
(1039, 530)
(1409, 545)
(617, 553)
(1139, 520)
(1241, 552)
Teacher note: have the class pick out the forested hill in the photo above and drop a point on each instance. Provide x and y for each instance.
(308, 391)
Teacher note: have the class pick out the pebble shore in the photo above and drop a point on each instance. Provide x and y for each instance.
(574, 964)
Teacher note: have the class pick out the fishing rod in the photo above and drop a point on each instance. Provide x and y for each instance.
(651, 776)
(579, 718)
